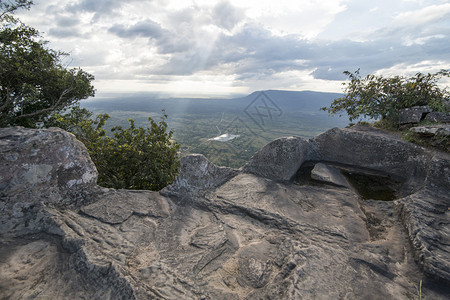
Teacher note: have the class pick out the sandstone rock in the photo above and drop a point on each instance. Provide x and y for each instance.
(328, 174)
(48, 166)
(432, 130)
(117, 206)
(197, 173)
(369, 150)
(241, 234)
(413, 115)
(280, 159)
(436, 116)
(426, 216)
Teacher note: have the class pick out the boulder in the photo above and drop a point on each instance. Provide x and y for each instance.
(414, 114)
(366, 149)
(43, 166)
(281, 159)
(439, 117)
(426, 216)
(197, 174)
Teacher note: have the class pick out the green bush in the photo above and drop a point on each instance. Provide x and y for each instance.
(131, 158)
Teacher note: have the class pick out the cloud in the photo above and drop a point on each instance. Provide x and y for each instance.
(255, 52)
(99, 7)
(246, 41)
(66, 26)
(67, 21)
(226, 15)
(147, 28)
(64, 32)
(426, 15)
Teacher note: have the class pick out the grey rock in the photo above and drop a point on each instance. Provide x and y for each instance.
(244, 234)
(197, 174)
(447, 105)
(426, 217)
(44, 166)
(280, 160)
(413, 115)
(370, 150)
(328, 174)
(116, 206)
(439, 117)
(432, 130)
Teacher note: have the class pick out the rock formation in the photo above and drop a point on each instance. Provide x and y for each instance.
(288, 225)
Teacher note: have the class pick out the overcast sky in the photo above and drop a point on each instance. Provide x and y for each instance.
(211, 48)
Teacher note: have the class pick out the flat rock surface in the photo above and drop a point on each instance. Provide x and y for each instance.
(243, 236)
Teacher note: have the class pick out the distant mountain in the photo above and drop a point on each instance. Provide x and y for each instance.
(227, 131)
(293, 101)
(286, 101)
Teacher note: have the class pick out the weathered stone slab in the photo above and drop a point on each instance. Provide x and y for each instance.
(414, 114)
(116, 206)
(328, 174)
(432, 130)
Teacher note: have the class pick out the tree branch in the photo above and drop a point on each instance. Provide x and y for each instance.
(53, 107)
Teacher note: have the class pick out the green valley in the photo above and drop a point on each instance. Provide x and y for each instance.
(252, 121)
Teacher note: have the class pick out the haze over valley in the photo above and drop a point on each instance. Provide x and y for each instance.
(227, 131)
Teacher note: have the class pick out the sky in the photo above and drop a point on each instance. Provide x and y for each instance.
(200, 48)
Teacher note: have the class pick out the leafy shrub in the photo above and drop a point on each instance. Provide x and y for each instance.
(131, 158)
(379, 97)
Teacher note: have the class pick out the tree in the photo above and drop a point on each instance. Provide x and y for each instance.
(132, 158)
(33, 81)
(379, 97)
(7, 7)
(35, 87)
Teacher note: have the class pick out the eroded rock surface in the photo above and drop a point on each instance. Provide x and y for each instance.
(219, 233)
